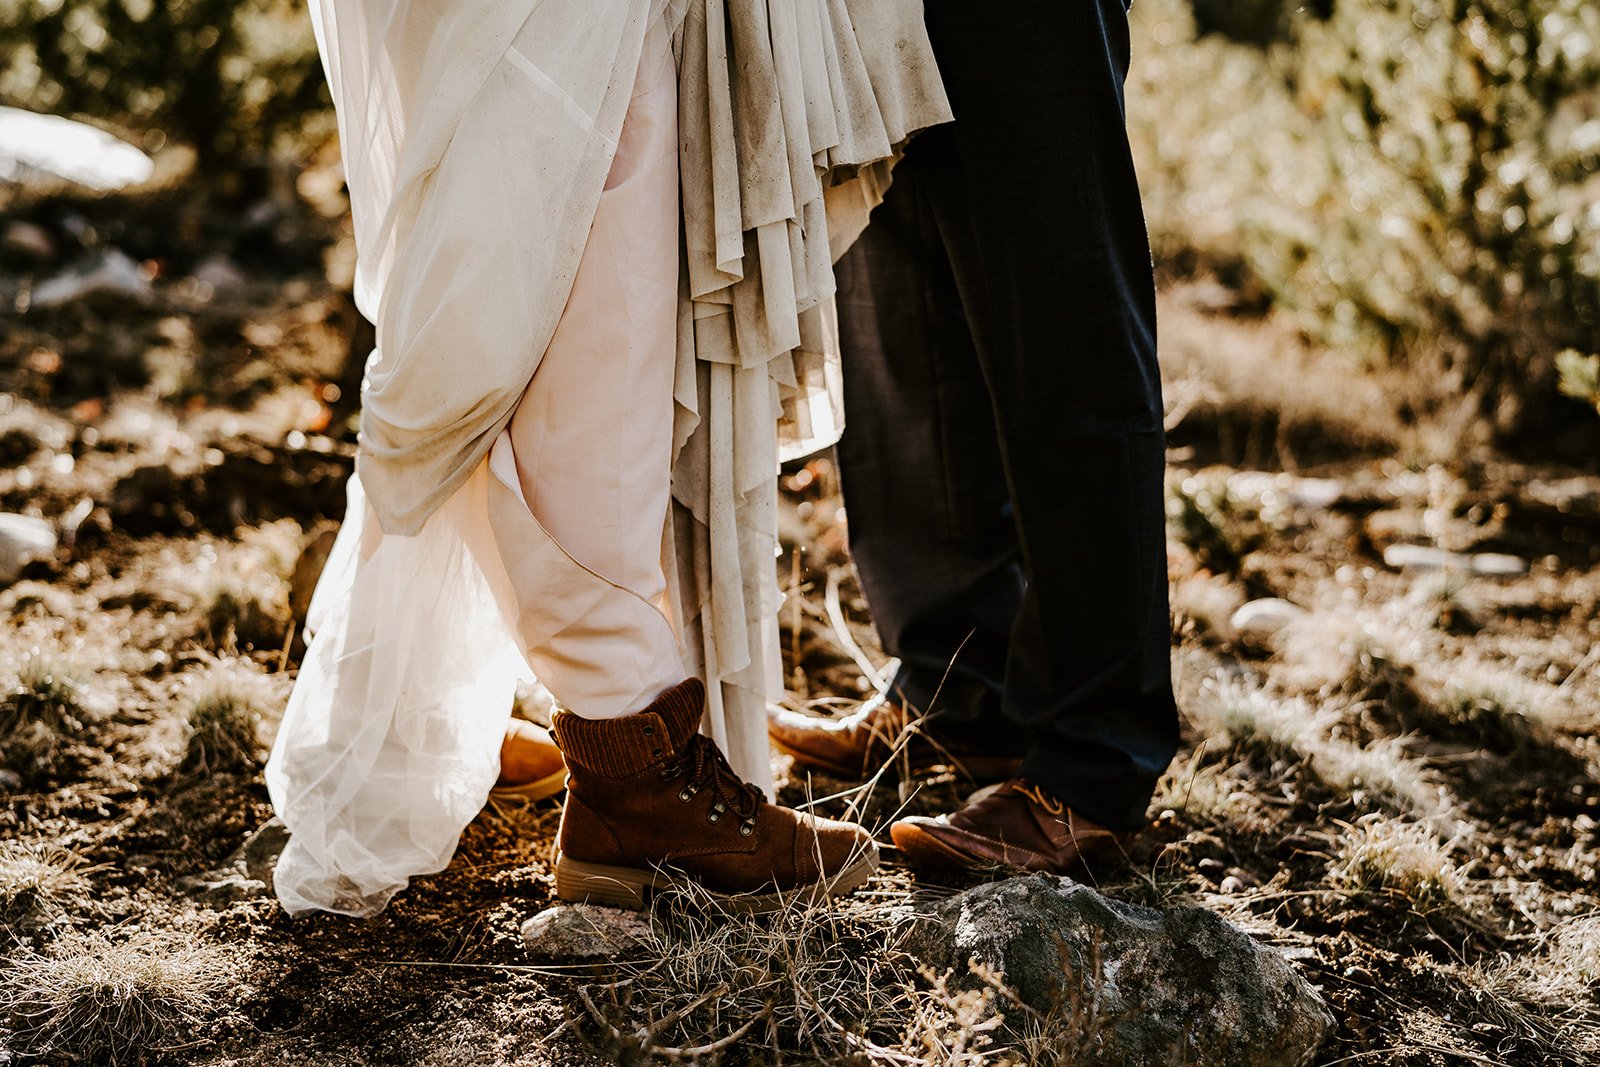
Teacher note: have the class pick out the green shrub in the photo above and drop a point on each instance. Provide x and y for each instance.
(1417, 180)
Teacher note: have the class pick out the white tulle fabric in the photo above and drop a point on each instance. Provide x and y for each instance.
(477, 141)
(391, 739)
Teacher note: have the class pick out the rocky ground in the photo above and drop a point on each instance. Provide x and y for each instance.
(1388, 654)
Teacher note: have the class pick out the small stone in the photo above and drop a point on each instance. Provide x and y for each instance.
(28, 239)
(114, 273)
(1203, 844)
(1243, 876)
(1265, 617)
(1498, 565)
(1213, 869)
(246, 874)
(204, 889)
(10, 781)
(220, 273)
(259, 853)
(23, 539)
(34, 145)
(1318, 494)
(585, 932)
(1427, 557)
(1231, 884)
(1160, 986)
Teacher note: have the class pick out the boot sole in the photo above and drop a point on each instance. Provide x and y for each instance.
(632, 887)
(920, 848)
(981, 769)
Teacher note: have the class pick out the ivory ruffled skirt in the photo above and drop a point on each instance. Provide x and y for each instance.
(481, 142)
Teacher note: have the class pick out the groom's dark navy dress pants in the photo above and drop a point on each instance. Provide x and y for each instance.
(1003, 453)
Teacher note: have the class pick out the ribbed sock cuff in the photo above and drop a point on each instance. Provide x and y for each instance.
(623, 747)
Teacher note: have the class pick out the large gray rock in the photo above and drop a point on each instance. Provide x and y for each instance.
(1130, 985)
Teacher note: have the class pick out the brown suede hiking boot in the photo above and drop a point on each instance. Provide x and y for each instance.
(881, 733)
(531, 767)
(652, 804)
(1018, 826)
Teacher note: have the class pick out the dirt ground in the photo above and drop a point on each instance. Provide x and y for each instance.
(1399, 787)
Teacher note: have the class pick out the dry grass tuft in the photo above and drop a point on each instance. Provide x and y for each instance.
(1218, 525)
(1560, 982)
(1381, 769)
(1207, 794)
(1246, 718)
(1248, 721)
(225, 703)
(1204, 606)
(44, 706)
(240, 593)
(109, 1002)
(830, 980)
(36, 878)
(1399, 858)
(1496, 708)
(1336, 654)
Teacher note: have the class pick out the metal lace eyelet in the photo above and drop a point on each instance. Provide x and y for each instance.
(648, 730)
(655, 752)
(685, 794)
(746, 829)
(719, 807)
(713, 815)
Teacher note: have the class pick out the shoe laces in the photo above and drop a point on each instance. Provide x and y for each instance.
(1040, 797)
(707, 768)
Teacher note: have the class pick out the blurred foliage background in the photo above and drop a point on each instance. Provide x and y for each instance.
(1414, 182)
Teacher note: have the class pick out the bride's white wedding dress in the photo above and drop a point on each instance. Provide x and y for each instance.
(481, 143)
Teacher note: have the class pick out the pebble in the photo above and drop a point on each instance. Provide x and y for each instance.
(1265, 617)
(32, 144)
(585, 932)
(114, 273)
(26, 238)
(23, 539)
(1428, 557)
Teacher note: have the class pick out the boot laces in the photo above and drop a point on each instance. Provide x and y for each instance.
(708, 768)
(1041, 798)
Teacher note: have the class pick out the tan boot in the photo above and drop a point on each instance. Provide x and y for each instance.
(530, 764)
(1018, 826)
(881, 733)
(653, 804)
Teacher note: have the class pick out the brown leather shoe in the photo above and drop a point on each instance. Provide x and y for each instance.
(881, 733)
(1017, 826)
(652, 804)
(531, 767)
